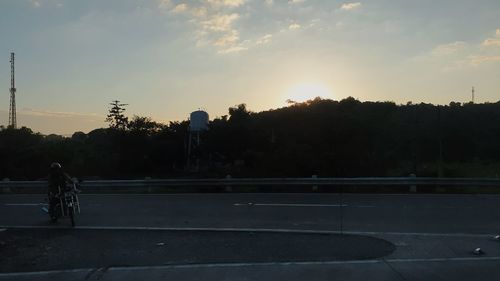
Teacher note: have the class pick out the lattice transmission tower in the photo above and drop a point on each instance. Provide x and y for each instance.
(12, 108)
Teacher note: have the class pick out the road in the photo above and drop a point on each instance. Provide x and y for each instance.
(254, 237)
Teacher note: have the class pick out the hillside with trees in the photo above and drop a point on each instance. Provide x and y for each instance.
(345, 138)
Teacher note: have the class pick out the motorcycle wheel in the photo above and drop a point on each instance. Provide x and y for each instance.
(71, 216)
(53, 214)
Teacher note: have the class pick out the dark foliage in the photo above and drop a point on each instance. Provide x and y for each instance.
(346, 138)
(116, 118)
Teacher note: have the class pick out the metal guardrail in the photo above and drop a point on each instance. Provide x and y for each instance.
(229, 182)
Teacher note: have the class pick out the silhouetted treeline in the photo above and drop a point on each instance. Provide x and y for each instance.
(346, 138)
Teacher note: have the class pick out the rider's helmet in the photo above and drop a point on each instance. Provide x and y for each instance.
(55, 166)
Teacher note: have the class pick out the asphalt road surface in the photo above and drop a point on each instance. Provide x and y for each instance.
(254, 237)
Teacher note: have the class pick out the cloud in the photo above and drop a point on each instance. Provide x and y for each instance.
(228, 40)
(495, 41)
(269, 2)
(233, 49)
(180, 8)
(165, 4)
(199, 12)
(350, 6)
(46, 3)
(474, 60)
(220, 22)
(264, 39)
(58, 122)
(223, 24)
(448, 49)
(227, 3)
(214, 21)
(461, 55)
(60, 114)
(478, 60)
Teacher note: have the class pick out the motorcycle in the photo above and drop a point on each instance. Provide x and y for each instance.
(66, 204)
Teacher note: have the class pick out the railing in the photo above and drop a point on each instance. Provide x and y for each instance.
(148, 184)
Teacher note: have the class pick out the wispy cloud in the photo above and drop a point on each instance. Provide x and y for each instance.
(227, 3)
(294, 26)
(461, 55)
(60, 114)
(495, 41)
(220, 22)
(264, 39)
(484, 53)
(296, 1)
(35, 3)
(228, 40)
(448, 49)
(215, 21)
(269, 2)
(165, 4)
(350, 6)
(63, 123)
(180, 8)
(478, 60)
(232, 49)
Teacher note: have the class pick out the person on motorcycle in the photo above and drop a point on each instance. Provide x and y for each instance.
(58, 180)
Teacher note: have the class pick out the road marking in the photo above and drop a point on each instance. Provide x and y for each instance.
(419, 234)
(306, 263)
(443, 259)
(289, 205)
(285, 205)
(250, 204)
(46, 272)
(245, 264)
(257, 264)
(25, 204)
(271, 230)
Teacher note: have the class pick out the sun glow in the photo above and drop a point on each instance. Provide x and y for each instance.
(308, 91)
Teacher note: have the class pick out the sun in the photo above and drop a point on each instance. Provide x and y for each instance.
(307, 91)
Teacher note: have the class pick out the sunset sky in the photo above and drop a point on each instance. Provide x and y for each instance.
(167, 58)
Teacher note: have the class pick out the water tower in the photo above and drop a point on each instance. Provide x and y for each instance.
(198, 122)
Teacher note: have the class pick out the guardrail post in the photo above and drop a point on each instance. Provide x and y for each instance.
(228, 187)
(6, 189)
(315, 187)
(147, 179)
(413, 188)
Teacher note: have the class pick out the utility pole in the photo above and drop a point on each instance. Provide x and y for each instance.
(473, 92)
(12, 108)
(440, 139)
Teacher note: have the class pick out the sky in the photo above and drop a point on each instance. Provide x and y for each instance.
(167, 58)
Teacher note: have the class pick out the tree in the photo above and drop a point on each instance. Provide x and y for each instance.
(239, 113)
(79, 137)
(145, 125)
(115, 117)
